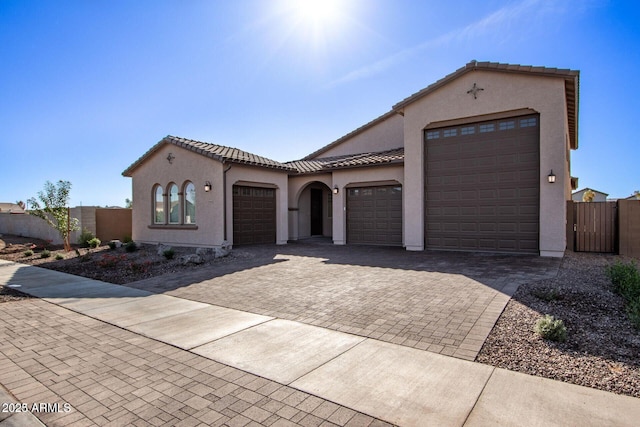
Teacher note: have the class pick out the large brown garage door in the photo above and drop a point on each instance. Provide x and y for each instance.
(482, 186)
(374, 215)
(254, 215)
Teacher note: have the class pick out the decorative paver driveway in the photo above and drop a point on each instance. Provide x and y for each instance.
(444, 302)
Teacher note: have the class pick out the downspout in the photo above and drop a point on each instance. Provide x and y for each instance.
(224, 197)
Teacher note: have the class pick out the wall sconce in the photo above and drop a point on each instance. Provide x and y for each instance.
(207, 187)
(551, 177)
(336, 190)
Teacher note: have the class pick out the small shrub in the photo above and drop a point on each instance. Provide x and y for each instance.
(625, 279)
(45, 253)
(127, 239)
(111, 261)
(85, 237)
(59, 257)
(112, 245)
(140, 267)
(547, 295)
(169, 253)
(94, 243)
(551, 328)
(28, 252)
(130, 246)
(633, 312)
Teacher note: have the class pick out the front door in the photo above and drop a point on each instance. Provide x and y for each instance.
(316, 212)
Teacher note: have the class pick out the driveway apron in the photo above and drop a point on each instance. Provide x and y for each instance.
(443, 302)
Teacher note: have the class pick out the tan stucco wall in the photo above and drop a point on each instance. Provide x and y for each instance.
(186, 166)
(502, 92)
(386, 135)
(256, 176)
(344, 178)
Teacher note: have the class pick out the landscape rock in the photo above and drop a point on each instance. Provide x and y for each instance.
(162, 248)
(191, 259)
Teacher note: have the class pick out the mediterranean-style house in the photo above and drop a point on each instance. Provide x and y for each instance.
(598, 196)
(477, 161)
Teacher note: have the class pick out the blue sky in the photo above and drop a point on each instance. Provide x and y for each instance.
(87, 87)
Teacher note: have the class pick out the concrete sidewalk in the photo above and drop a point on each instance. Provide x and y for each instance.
(397, 384)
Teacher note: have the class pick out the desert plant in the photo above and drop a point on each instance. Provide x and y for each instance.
(94, 243)
(140, 267)
(130, 246)
(626, 279)
(111, 261)
(45, 253)
(546, 294)
(59, 257)
(28, 252)
(550, 328)
(112, 245)
(85, 236)
(54, 210)
(127, 239)
(169, 253)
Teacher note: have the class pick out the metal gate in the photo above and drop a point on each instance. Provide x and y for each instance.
(595, 226)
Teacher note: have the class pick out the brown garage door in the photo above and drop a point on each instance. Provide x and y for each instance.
(254, 215)
(374, 215)
(482, 186)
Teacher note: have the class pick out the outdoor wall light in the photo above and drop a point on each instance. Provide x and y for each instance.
(207, 187)
(336, 190)
(551, 177)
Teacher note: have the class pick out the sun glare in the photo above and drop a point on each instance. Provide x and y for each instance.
(320, 13)
(317, 11)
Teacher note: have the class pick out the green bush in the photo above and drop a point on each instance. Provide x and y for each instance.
(45, 254)
(625, 279)
(633, 311)
(59, 257)
(112, 245)
(551, 328)
(85, 237)
(127, 239)
(547, 295)
(131, 246)
(94, 243)
(28, 252)
(169, 253)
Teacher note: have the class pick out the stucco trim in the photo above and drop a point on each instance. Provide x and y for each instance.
(372, 183)
(172, 227)
(255, 184)
(482, 118)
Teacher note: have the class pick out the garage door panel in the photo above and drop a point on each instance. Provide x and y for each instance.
(374, 215)
(489, 198)
(254, 215)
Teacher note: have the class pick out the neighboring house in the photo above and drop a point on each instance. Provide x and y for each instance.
(599, 196)
(11, 208)
(464, 164)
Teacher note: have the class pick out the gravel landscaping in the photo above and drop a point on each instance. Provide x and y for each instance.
(601, 350)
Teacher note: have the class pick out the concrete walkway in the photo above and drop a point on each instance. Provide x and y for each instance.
(359, 376)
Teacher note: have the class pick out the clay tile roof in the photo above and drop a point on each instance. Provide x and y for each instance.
(325, 164)
(214, 151)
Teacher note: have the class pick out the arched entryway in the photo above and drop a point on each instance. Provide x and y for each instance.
(315, 211)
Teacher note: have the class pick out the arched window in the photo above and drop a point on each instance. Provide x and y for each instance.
(189, 203)
(158, 205)
(174, 204)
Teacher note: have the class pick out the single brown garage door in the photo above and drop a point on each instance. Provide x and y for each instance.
(482, 186)
(374, 215)
(254, 215)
